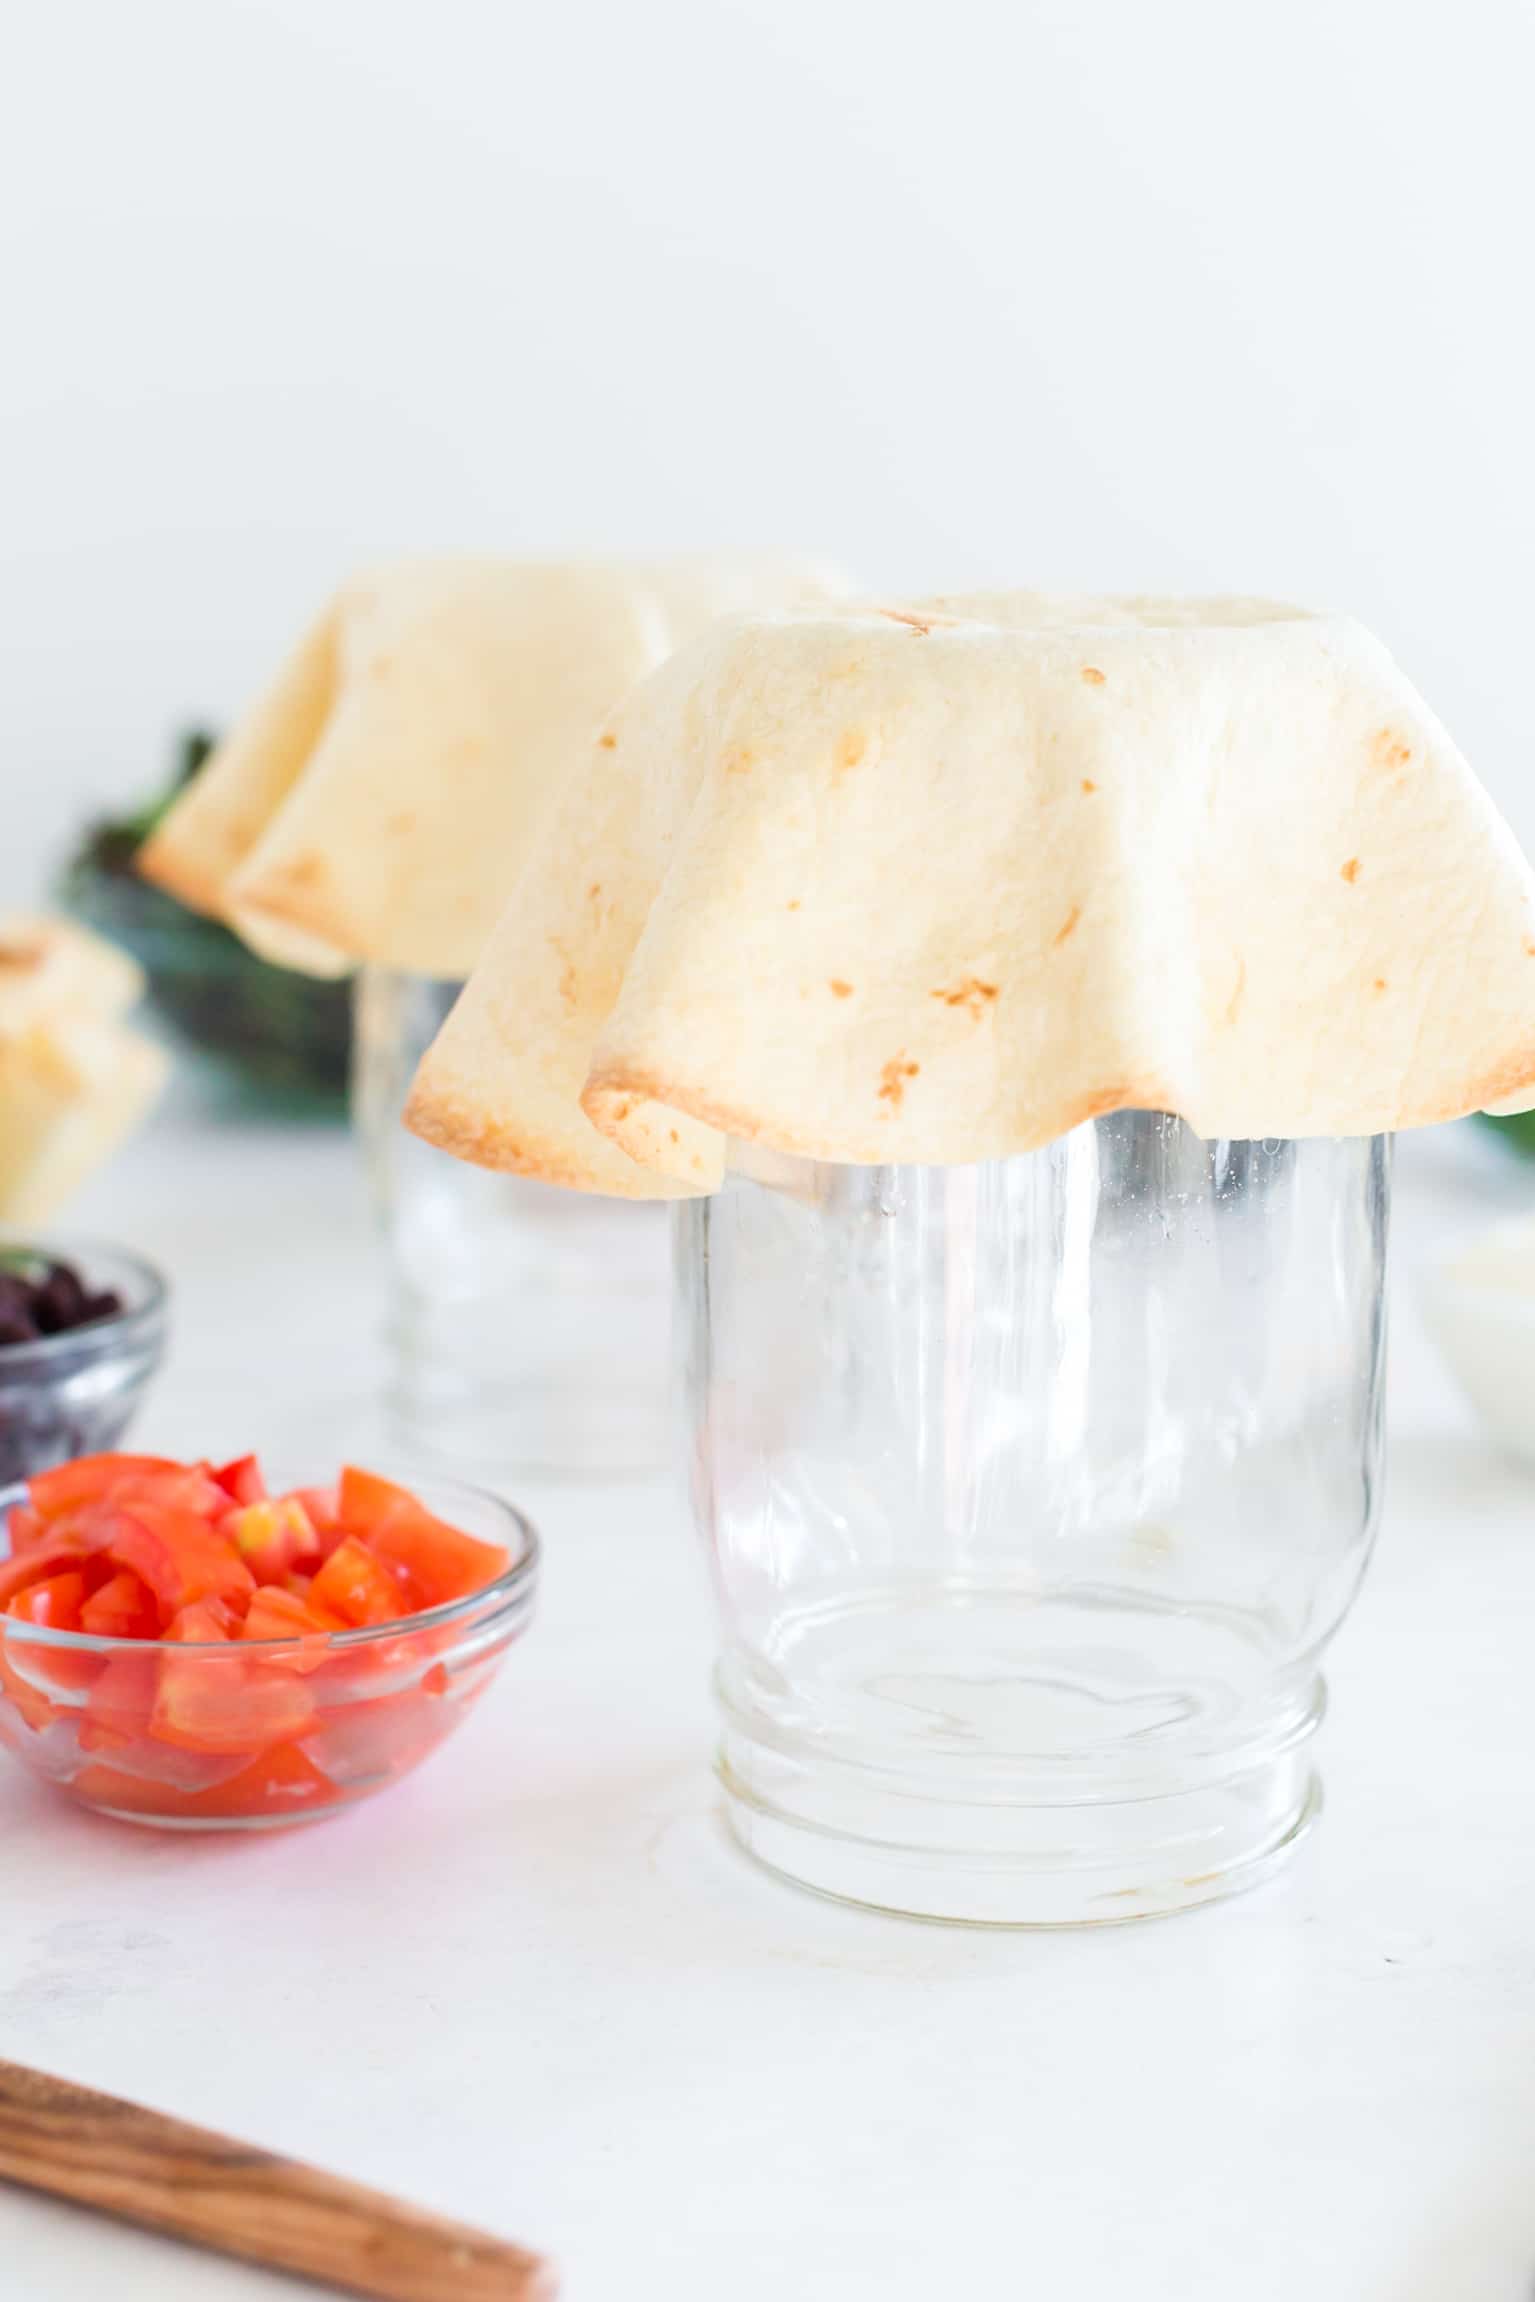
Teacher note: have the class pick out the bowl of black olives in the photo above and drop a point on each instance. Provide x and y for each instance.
(82, 1331)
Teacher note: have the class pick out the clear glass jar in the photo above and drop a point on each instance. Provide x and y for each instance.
(1033, 1492)
(526, 1327)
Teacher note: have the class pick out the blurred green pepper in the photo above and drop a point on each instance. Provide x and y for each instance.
(1519, 1130)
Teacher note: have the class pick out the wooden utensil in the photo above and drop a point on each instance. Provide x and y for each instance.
(223, 2195)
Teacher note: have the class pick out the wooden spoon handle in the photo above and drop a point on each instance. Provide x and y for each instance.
(223, 2195)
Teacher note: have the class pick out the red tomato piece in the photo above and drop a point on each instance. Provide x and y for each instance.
(364, 1500)
(225, 1703)
(123, 1608)
(55, 1602)
(180, 1557)
(281, 1781)
(203, 1623)
(58, 1555)
(434, 1561)
(194, 1491)
(26, 1527)
(119, 1703)
(279, 1614)
(29, 1702)
(273, 1537)
(321, 1507)
(88, 1480)
(242, 1481)
(356, 1586)
(366, 1744)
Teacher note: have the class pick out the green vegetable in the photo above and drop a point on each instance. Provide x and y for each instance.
(271, 1037)
(1519, 1130)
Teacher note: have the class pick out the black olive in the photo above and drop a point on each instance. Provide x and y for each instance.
(39, 1297)
(59, 1302)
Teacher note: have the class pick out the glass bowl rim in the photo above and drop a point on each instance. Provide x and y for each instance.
(97, 1336)
(516, 1583)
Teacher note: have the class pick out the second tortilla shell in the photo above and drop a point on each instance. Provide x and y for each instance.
(378, 801)
(936, 884)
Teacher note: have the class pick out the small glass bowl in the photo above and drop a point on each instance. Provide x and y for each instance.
(75, 1394)
(259, 1734)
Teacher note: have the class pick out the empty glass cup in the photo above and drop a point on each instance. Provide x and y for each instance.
(1033, 1492)
(526, 1326)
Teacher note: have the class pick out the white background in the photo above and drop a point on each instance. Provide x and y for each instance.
(1091, 292)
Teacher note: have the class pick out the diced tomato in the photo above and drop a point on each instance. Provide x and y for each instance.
(273, 1537)
(119, 1703)
(25, 1527)
(203, 1622)
(60, 1553)
(237, 1597)
(123, 1608)
(225, 1703)
(29, 1702)
(280, 1781)
(321, 1507)
(433, 1561)
(181, 1558)
(242, 1481)
(364, 1744)
(194, 1491)
(356, 1586)
(55, 1602)
(280, 1614)
(364, 1500)
(87, 1480)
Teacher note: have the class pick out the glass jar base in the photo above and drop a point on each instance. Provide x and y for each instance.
(973, 1855)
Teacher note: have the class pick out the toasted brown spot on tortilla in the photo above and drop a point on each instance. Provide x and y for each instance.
(594, 891)
(1123, 1098)
(25, 956)
(1350, 870)
(892, 1081)
(840, 989)
(914, 623)
(401, 824)
(1093, 676)
(301, 871)
(851, 748)
(1388, 750)
(1088, 783)
(1380, 983)
(1068, 925)
(794, 906)
(1529, 947)
(972, 994)
(672, 1132)
(740, 760)
(608, 740)
(1238, 991)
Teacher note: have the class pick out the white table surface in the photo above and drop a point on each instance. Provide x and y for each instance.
(533, 1985)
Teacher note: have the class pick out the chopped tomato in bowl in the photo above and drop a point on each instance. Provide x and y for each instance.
(183, 1645)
